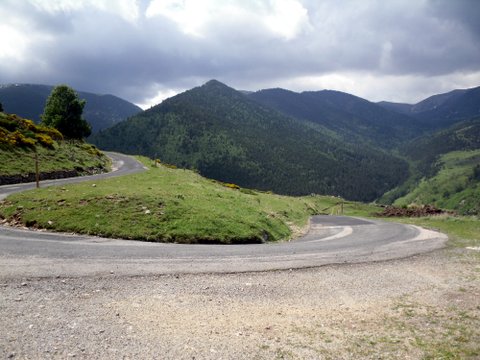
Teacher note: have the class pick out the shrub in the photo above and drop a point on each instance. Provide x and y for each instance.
(231, 186)
(21, 140)
(45, 140)
(53, 133)
(30, 125)
(8, 124)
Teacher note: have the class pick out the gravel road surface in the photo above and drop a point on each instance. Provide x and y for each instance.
(401, 309)
(328, 295)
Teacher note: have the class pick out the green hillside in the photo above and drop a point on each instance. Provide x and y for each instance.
(425, 150)
(101, 111)
(167, 205)
(455, 186)
(445, 170)
(225, 135)
(21, 138)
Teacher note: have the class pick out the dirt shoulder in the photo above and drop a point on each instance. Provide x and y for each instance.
(412, 308)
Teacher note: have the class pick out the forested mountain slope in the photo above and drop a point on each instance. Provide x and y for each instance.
(227, 136)
(446, 170)
(426, 150)
(101, 111)
(354, 119)
(455, 185)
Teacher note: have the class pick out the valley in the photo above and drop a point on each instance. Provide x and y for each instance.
(258, 180)
(351, 287)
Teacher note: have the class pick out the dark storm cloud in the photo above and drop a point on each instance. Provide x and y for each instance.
(108, 48)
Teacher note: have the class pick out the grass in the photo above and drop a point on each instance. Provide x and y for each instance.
(462, 231)
(175, 205)
(454, 186)
(438, 332)
(166, 205)
(65, 156)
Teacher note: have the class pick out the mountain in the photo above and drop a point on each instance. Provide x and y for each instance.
(446, 170)
(436, 101)
(397, 107)
(455, 185)
(352, 118)
(442, 110)
(228, 136)
(426, 150)
(101, 111)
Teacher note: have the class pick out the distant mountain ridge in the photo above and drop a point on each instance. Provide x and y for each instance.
(28, 101)
(442, 110)
(353, 118)
(228, 136)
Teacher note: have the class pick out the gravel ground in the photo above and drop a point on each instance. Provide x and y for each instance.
(427, 305)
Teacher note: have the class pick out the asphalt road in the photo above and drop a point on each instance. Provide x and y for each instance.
(121, 164)
(330, 240)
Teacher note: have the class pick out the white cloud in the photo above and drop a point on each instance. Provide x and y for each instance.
(190, 16)
(288, 18)
(139, 49)
(127, 9)
(13, 43)
(158, 98)
(283, 18)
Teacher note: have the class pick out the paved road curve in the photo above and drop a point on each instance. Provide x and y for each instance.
(331, 240)
(121, 164)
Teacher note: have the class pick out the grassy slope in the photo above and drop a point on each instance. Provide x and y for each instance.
(65, 156)
(19, 138)
(229, 137)
(452, 187)
(165, 204)
(174, 205)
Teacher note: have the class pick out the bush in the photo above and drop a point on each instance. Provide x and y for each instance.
(21, 140)
(231, 186)
(8, 124)
(45, 140)
(53, 133)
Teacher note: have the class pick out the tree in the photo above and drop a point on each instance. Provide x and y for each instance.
(63, 111)
(1, 107)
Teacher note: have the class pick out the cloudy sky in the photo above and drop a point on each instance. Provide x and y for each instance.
(146, 50)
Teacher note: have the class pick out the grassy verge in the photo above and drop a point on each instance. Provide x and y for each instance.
(462, 231)
(165, 204)
(175, 205)
(65, 156)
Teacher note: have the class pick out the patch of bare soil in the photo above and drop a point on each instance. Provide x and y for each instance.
(413, 211)
(423, 307)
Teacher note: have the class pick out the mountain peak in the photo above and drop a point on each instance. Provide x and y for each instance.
(215, 83)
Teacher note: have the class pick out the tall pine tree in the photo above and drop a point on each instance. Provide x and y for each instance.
(63, 111)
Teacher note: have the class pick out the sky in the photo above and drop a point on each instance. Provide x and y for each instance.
(147, 50)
